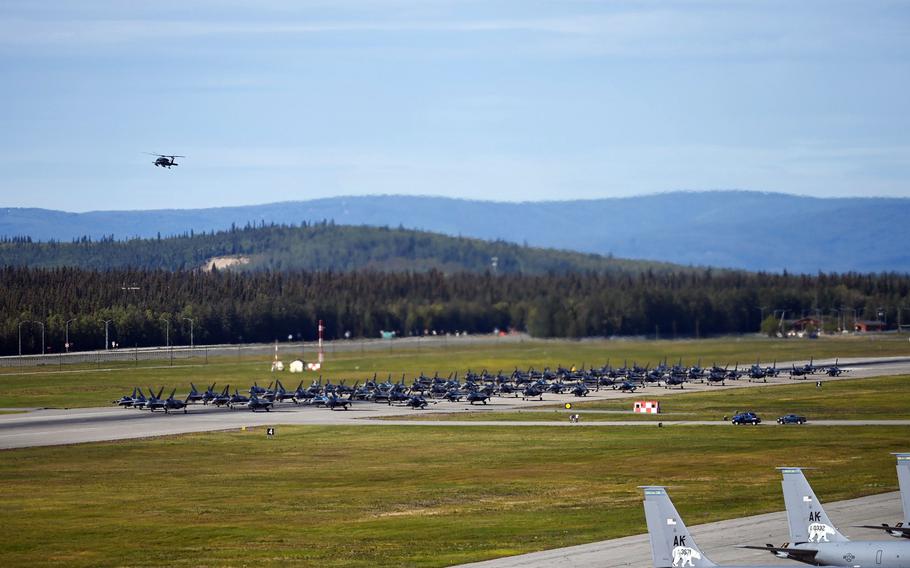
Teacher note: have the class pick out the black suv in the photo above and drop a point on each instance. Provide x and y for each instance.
(746, 418)
(791, 419)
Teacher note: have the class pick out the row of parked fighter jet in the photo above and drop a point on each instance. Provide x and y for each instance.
(472, 388)
(814, 539)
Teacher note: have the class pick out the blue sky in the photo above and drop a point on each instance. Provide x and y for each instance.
(508, 100)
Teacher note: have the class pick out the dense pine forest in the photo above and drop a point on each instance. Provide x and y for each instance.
(319, 246)
(264, 305)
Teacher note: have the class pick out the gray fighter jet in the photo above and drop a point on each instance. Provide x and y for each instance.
(815, 540)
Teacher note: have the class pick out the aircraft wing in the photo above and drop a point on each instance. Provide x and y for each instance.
(799, 554)
(899, 529)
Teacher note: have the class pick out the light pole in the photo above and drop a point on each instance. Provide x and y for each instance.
(106, 343)
(836, 314)
(192, 343)
(41, 323)
(167, 331)
(844, 310)
(20, 336)
(762, 309)
(66, 326)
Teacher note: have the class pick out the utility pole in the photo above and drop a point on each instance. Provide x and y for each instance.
(66, 341)
(167, 332)
(106, 323)
(20, 336)
(192, 341)
(762, 310)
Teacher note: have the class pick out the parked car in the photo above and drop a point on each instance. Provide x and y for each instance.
(746, 418)
(791, 419)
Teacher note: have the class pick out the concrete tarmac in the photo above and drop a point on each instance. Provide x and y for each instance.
(719, 541)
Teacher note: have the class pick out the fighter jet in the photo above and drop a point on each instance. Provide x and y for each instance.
(172, 403)
(675, 380)
(127, 400)
(237, 399)
(282, 395)
(696, 372)
(222, 398)
(333, 401)
(580, 389)
(671, 544)
(477, 396)
(453, 395)
(717, 375)
(834, 370)
(798, 371)
(807, 369)
(417, 402)
(531, 391)
(815, 540)
(255, 403)
(204, 397)
(901, 529)
(139, 401)
(154, 401)
(258, 390)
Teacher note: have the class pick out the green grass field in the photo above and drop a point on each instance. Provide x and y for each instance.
(74, 386)
(886, 398)
(400, 496)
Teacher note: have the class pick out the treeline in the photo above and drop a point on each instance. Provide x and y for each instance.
(315, 246)
(229, 307)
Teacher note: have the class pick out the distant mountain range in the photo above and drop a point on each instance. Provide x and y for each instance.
(736, 229)
(317, 246)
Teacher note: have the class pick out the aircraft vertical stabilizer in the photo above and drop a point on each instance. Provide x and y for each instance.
(671, 544)
(805, 514)
(903, 481)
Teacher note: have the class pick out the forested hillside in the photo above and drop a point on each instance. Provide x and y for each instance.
(263, 305)
(318, 246)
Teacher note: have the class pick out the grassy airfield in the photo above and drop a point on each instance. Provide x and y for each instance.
(393, 496)
(433, 496)
(74, 386)
(885, 398)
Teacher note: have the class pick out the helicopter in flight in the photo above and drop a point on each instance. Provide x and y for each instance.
(165, 161)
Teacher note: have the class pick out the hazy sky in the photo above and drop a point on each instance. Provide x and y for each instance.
(493, 99)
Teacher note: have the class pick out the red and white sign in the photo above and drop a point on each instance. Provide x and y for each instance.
(647, 406)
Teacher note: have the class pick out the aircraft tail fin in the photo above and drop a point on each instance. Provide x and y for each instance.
(903, 481)
(671, 544)
(805, 514)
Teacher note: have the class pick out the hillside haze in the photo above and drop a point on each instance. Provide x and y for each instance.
(737, 229)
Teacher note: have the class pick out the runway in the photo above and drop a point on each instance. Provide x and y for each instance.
(73, 426)
(718, 540)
